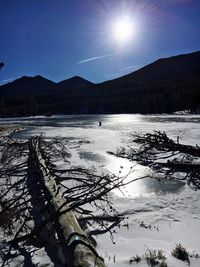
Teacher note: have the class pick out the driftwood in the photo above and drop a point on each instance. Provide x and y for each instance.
(166, 157)
(34, 190)
(77, 248)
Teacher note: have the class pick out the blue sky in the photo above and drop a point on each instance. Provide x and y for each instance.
(63, 38)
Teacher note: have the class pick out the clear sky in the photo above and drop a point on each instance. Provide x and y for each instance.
(59, 39)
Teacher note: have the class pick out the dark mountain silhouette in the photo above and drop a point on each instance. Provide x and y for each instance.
(72, 96)
(24, 96)
(27, 86)
(74, 83)
(166, 85)
(166, 69)
(38, 95)
(174, 68)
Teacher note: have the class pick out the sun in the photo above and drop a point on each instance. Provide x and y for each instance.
(123, 30)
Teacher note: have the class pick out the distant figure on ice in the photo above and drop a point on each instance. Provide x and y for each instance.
(99, 123)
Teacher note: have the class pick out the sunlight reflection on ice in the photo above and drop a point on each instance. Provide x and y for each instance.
(124, 167)
(114, 133)
(138, 181)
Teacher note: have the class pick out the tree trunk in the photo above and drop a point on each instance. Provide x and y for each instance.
(77, 249)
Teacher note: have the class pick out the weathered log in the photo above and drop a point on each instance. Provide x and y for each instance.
(77, 249)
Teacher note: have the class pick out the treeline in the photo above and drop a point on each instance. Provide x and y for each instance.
(144, 98)
(157, 97)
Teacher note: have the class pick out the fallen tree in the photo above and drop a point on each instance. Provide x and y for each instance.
(77, 248)
(168, 158)
(38, 201)
(29, 215)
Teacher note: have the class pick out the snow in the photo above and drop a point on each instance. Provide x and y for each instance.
(158, 217)
(173, 219)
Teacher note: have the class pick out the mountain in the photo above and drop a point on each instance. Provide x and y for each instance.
(73, 89)
(179, 67)
(74, 83)
(24, 96)
(38, 95)
(72, 96)
(166, 85)
(39, 85)
(27, 86)
(166, 69)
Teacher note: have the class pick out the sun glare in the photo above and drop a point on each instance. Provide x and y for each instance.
(123, 30)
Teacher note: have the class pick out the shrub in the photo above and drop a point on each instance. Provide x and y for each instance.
(180, 253)
(135, 259)
(152, 257)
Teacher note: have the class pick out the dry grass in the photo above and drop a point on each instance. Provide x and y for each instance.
(152, 257)
(180, 253)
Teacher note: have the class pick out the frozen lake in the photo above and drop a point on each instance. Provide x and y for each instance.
(89, 143)
(171, 210)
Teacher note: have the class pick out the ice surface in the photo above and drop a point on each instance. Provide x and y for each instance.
(172, 215)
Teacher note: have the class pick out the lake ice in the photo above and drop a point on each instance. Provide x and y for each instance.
(172, 210)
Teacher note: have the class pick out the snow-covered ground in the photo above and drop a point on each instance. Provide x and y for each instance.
(159, 215)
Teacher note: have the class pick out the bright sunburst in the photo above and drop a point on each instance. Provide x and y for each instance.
(123, 29)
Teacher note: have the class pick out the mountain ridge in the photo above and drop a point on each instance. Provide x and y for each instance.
(159, 61)
(165, 85)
